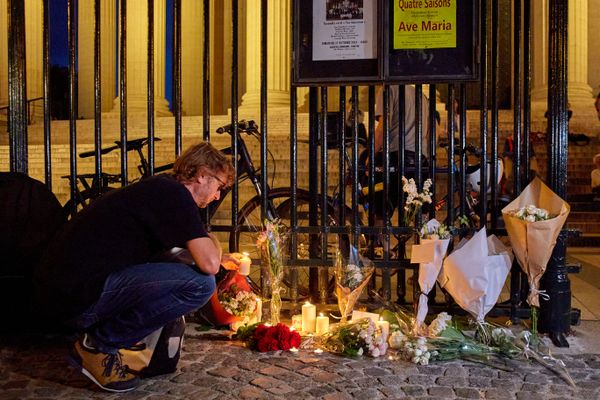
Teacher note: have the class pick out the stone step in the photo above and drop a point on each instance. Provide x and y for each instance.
(584, 227)
(585, 216)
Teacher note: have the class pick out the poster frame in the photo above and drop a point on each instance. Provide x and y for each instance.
(308, 72)
(424, 72)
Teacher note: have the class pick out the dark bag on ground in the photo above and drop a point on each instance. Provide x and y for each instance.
(30, 216)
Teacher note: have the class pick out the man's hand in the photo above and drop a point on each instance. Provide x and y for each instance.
(231, 262)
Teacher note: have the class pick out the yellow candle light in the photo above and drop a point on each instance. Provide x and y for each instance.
(322, 324)
(309, 316)
(384, 326)
(297, 322)
(245, 263)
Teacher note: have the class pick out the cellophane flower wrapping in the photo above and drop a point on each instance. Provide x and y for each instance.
(533, 221)
(272, 243)
(356, 338)
(429, 254)
(352, 274)
(475, 272)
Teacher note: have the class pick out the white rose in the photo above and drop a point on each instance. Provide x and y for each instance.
(375, 353)
(530, 218)
(360, 351)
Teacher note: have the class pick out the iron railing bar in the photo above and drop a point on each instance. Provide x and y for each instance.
(451, 167)
(177, 73)
(484, 117)
(432, 144)
(72, 38)
(494, 114)
(234, 117)
(527, 86)
(206, 73)
(123, 91)
(341, 152)
(322, 271)
(463, 142)
(263, 107)
(97, 96)
(517, 144)
(150, 87)
(17, 90)
(294, 192)
(46, 96)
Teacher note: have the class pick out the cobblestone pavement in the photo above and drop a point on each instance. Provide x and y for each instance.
(221, 369)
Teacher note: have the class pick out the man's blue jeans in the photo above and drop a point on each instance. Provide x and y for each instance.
(140, 299)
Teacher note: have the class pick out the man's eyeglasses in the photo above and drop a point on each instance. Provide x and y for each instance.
(223, 185)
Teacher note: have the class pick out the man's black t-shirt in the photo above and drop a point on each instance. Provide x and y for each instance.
(126, 227)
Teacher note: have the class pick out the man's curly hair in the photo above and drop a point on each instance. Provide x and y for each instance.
(202, 157)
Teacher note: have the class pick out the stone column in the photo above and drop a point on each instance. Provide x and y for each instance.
(539, 47)
(33, 55)
(108, 56)
(579, 90)
(137, 59)
(278, 54)
(192, 30)
(3, 58)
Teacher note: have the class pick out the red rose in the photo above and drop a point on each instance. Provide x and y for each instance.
(294, 339)
(266, 344)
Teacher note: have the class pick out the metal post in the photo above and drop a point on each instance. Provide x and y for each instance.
(17, 88)
(555, 312)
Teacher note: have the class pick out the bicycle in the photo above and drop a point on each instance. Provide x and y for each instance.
(93, 189)
(249, 220)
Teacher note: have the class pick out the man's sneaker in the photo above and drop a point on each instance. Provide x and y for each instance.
(105, 370)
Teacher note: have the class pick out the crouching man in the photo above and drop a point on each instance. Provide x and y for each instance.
(99, 277)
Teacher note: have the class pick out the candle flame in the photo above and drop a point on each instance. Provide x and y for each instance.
(246, 253)
(320, 314)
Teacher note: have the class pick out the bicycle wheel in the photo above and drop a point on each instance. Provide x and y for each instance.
(249, 217)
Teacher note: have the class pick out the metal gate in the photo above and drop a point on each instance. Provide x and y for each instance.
(331, 215)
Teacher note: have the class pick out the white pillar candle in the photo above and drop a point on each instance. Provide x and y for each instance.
(309, 316)
(245, 263)
(384, 326)
(297, 322)
(322, 324)
(258, 309)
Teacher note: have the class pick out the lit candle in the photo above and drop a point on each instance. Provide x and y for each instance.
(318, 351)
(297, 322)
(245, 263)
(322, 324)
(384, 326)
(258, 309)
(309, 316)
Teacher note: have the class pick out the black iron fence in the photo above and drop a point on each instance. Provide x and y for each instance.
(331, 215)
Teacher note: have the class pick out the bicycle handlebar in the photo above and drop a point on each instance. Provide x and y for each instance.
(469, 148)
(243, 126)
(133, 144)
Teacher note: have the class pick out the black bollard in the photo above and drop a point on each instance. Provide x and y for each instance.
(555, 304)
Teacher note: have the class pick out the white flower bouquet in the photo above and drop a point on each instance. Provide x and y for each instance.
(242, 304)
(429, 254)
(533, 221)
(414, 199)
(356, 338)
(475, 272)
